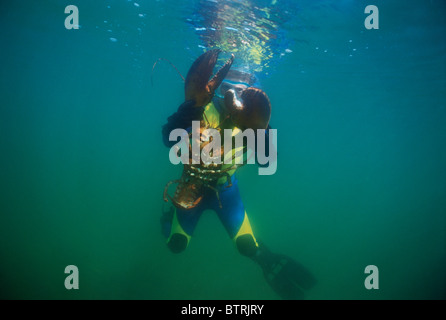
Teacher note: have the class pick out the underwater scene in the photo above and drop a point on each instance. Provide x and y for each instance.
(350, 97)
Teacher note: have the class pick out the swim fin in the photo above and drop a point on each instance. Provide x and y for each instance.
(287, 277)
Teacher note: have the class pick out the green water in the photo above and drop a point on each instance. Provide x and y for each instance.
(361, 177)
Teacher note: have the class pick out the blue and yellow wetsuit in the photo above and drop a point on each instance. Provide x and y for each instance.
(285, 275)
(232, 213)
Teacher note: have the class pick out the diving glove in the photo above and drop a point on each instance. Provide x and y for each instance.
(182, 119)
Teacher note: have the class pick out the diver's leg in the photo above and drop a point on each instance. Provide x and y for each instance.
(287, 277)
(166, 219)
(244, 239)
(182, 225)
(235, 220)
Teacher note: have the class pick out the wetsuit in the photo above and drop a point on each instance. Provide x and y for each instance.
(179, 228)
(287, 277)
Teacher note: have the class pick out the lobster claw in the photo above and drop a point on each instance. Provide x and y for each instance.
(187, 195)
(251, 110)
(198, 87)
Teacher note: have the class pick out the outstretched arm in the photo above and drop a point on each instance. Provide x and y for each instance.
(181, 119)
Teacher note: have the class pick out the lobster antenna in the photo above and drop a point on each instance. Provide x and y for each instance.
(156, 62)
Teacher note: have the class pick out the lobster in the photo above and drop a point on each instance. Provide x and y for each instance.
(253, 112)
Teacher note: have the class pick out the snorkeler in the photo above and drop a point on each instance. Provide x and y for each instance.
(227, 101)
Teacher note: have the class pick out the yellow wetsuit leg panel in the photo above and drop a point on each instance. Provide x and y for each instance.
(245, 228)
(176, 228)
